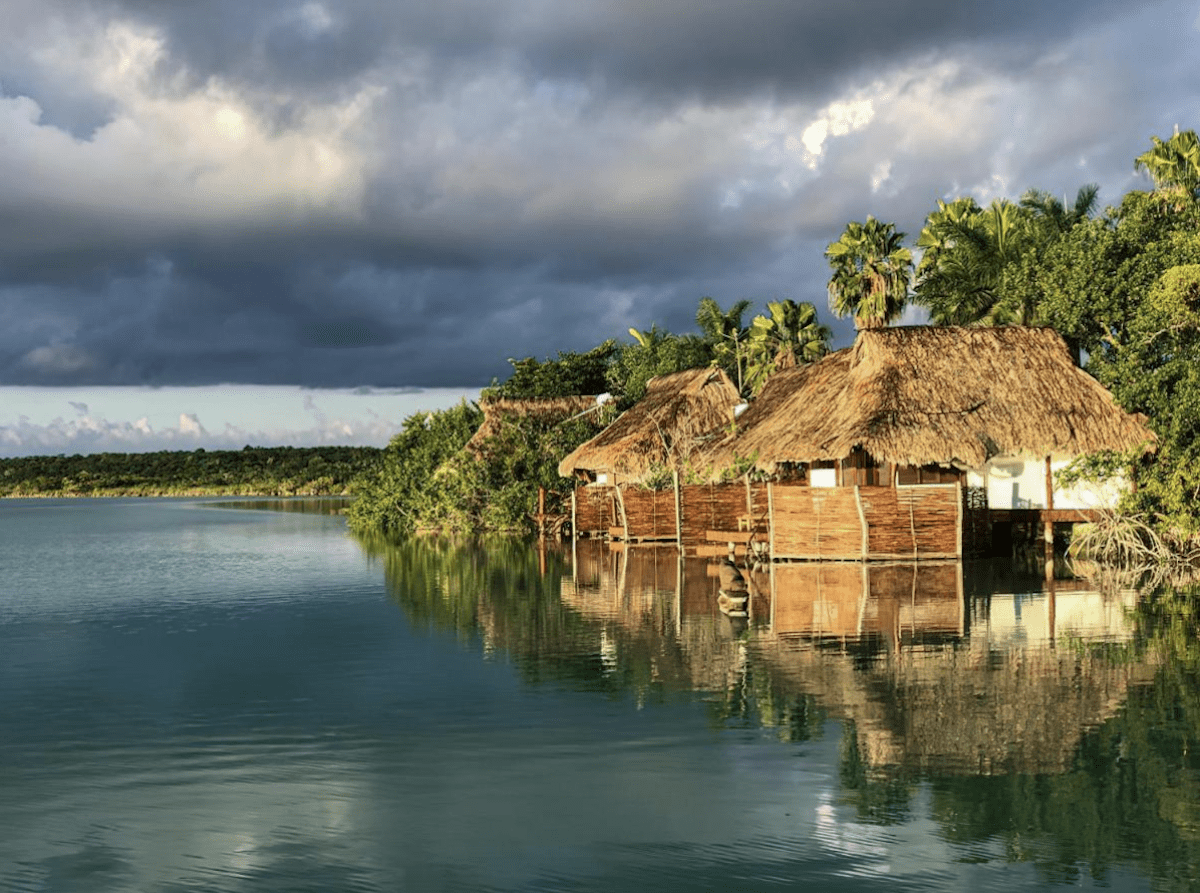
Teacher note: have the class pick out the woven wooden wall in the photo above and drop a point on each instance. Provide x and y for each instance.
(815, 522)
(649, 514)
(912, 522)
(593, 510)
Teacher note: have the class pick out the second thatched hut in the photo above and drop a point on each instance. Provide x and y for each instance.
(680, 414)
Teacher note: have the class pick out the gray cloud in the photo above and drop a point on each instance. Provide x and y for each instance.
(354, 193)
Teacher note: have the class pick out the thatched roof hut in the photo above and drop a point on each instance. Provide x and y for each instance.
(680, 413)
(925, 395)
(501, 412)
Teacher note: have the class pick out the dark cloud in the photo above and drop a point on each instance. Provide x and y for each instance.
(357, 192)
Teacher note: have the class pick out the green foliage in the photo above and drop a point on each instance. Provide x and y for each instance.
(1173, 164)
(404, 489)
(724, 332)
(980, 265)
(788, 336)
(253, 471)
(871, 273)
(568, 375)
(496, 487)
(657, 353)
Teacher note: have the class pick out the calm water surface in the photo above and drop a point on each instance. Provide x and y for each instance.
(199, 697)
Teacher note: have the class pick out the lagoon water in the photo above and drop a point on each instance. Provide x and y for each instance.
(230, 698)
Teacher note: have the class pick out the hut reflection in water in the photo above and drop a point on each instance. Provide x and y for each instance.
(938, 665)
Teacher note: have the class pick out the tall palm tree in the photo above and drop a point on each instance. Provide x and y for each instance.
(1052, 216)
(1173, 164)
(717, 324)
(966, 251)
(871, 273)
(790, 335)
(724, 331)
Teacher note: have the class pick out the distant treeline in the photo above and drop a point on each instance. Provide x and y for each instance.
(252, 471)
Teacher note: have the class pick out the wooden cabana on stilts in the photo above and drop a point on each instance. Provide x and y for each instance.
(871, 448)
(659, 435)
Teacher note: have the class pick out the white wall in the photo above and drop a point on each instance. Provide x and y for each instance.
(1020, 483)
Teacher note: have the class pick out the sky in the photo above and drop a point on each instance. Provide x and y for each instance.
(350, 194)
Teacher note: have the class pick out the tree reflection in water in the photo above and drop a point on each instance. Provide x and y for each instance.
(1055, 720)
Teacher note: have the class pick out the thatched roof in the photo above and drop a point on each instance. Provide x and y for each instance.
(924, 395)
(679, 413)
(499, 412)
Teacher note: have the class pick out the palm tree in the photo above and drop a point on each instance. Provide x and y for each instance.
(651, 337)
(1173, 164)
(966, 251)
(788, 336)
(871, 273)
(1052, 216)
(723, 330)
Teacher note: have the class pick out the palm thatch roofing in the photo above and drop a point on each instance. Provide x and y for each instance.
(680, 413)
(924, 395)
(501, 412)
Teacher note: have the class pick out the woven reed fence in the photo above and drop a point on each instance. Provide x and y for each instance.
(853, 523)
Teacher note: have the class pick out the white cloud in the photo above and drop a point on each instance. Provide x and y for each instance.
(189, 423)
(57, 359)
(169, 152)
(33, 421)
(836, 119)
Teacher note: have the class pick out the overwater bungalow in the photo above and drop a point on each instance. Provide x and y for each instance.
(680, 415)
(902, 446)
(927, 404)
(908, 424)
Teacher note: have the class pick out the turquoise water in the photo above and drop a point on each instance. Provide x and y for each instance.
(222, 699)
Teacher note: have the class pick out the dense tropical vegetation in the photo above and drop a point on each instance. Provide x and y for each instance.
(428, 479)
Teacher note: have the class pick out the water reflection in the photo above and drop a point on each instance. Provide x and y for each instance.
(305, 505)
(1046, 721)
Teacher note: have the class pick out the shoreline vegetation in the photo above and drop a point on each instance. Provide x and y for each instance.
(252, 471)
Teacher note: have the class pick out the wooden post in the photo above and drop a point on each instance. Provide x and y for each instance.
(862, 521)
(541, 513)
(678, 512)
(1048, 523)
(771, 531)
(621, 508)
(958, 546)
(574, 515)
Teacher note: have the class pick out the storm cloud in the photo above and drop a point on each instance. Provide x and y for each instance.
(354, 192)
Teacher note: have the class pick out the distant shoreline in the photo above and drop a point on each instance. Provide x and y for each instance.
(270, 472)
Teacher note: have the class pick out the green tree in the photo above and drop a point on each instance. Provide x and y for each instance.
(1173, 164)
(568, 375)
(789, 334)
(655, 352)
(404, 490)
(966, 251)
(871, 273)
(1052, 217)
(726, 335)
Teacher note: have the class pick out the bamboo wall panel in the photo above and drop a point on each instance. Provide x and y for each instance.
(708, 507)
(818, 599)
(594, 512)
(815, 522)
(911, 521)
(649, 514)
